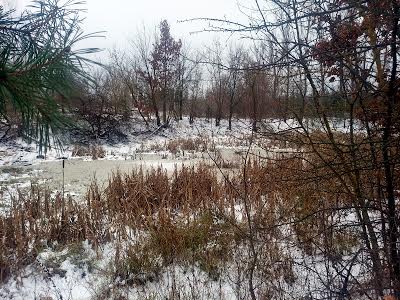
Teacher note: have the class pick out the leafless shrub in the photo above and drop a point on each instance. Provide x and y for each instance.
(196, 145)
(95, 151)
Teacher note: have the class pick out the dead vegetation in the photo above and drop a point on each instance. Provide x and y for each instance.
(275, 217)
(179, 145)
(193, 217)
(93, 151)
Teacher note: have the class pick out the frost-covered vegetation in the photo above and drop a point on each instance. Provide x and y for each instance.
(184, 233)
(267, 170)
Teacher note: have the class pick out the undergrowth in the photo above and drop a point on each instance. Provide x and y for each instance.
(191, 217)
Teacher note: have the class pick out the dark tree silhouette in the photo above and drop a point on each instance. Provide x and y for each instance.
(165, 57)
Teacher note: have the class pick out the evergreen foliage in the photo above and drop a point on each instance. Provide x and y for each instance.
(39, 64)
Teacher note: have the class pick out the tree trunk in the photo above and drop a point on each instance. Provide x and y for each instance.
(157, 114)
(230, 121)
(181, 105)
(218, 115)
(387, 161)
(164, 107)
(217, 120)
(253, 91)
(231, 111)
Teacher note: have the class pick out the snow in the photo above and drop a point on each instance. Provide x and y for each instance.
(88, 274)
(80, 283)
(19, 153)
(38, 282)
(20, 165)
(139, 144)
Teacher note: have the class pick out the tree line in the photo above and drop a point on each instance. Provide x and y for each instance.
(309, 61)
(160, 78)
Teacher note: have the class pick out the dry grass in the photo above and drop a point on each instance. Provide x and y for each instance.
(37, 221)
(190, 217)
(260, 216)
(94, 151)
(198, 144)
(179, 211)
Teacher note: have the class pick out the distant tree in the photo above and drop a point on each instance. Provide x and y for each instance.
(146, 75)
(218, 80)
(125, 70)
(103, 108)
(234, 78)
(188, 74)
(165, 58)
(252, 84)
(195, 93)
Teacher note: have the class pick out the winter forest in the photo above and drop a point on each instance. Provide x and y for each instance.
(262, 165)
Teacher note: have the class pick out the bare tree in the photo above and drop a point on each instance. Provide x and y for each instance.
(356, 43)
(146, 74)
(125, 69)
(235, 62)
(188, 76)
(217, 75)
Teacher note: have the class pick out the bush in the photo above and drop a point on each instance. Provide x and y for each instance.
(95, 151)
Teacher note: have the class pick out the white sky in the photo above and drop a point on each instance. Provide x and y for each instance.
(122, 19)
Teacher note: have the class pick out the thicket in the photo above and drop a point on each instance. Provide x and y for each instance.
(331, 199)
(270, 219)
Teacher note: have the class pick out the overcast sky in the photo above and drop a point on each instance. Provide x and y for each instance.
(121, 19)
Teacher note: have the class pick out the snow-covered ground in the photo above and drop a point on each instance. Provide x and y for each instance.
(20, 165)
(19, 153)
(83, 274)
(78, 271)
